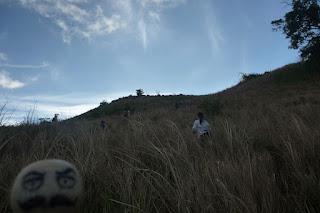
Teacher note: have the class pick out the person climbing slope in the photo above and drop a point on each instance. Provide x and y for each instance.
(201, 127)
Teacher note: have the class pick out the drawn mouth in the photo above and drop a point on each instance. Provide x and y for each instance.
(41, 202)
(62, 200)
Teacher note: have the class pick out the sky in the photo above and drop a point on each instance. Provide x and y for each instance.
(66, 56)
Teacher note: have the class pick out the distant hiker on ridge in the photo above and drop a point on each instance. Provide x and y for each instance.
(201, 127)
(55, 118)
(103, 124)
(126, 114)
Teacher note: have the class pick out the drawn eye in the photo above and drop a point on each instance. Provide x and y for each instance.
(66, 178)
(33, 181)
(66, 182)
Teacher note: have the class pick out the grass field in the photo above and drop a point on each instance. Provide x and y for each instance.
(263, 155)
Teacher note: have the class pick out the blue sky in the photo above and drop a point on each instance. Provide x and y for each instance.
(66, 56)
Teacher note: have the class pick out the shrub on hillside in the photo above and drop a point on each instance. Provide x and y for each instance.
(247, 76)
(103, 103)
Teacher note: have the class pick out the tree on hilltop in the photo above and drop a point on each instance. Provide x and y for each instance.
(302, 26)
(139, 92)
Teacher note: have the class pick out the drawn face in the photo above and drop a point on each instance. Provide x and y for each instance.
(47, 186)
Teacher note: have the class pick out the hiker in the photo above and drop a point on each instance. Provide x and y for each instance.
(55, 118)
(103, 124)
(126, 114)
(201, 127)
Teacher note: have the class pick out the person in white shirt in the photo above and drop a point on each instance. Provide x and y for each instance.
(201, 127)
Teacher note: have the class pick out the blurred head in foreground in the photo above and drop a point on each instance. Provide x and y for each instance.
(200, 116)
(47, 186)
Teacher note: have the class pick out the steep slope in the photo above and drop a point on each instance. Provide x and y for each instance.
(292, 85)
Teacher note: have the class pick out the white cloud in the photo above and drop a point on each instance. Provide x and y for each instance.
(66, 32)
(26, 66)
(7, 82)
(34, 78)
(64, 111)
(71, 10)
(55, 73)
(161, 4)
(154, 15)
(214, 31)
(123, 7)
(3, 57)
(215, 38)
(143, 33)
(103, 25)
(76, 17)
(67, 105)
(72, 98)
(150, 17)
(99, 18)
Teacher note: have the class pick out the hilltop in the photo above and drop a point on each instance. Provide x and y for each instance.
(293, 85)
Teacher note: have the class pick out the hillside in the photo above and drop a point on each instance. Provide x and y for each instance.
(290, 86)
(141, 104)
(262, 155)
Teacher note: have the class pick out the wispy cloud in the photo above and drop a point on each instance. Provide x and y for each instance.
(3, 57)
(143, 33)
(215, 37)
(100, 18)
(55, 73)
(34, 78)
(71, 99)
(4, 63)
(76, 17)
(25, 66)
(162, 4)
(214, 30)
(67, 105)
(148, 19)
(64, 111)
(248, 21)
(7, 82)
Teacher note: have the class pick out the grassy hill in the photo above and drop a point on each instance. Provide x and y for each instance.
(262, 156)
(293, 85)
(140, 104)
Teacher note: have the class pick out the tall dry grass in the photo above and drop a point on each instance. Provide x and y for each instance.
(257, 160)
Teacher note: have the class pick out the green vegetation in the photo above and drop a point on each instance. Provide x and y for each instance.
(263, 155)
(302, 26)
(247, 77)
(139, 92)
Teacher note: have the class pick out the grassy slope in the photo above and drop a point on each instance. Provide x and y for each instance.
(263, 155)
(290, 86)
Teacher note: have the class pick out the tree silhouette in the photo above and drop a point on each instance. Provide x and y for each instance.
(139, 92)
(302, 26)
(103, 103)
